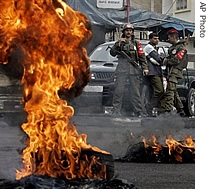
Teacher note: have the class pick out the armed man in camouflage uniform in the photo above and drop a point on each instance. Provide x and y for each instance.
(129, 51)
(175, 63)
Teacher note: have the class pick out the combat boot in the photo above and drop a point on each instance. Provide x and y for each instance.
(181, 112)
(116, 113)
(149, 111)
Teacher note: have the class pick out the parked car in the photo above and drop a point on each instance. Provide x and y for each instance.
(103, 67)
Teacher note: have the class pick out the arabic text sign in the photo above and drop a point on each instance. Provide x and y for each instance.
(112, 4)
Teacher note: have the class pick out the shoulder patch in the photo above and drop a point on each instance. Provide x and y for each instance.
(174, 51)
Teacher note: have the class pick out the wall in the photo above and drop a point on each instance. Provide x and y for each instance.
(151, 5)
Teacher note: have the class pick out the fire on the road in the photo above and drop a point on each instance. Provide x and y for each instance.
(52, 38)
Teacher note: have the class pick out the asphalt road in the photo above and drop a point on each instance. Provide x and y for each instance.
(157, 176)
(114, 135)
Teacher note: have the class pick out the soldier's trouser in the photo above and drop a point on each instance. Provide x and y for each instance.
(177, 101)
(167, 103)
(120, 84)
(135, 95)
(158, 91)
(134, 92)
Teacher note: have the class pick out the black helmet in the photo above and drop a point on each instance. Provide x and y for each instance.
(128, 26)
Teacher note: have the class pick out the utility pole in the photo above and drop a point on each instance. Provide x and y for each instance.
(128, 11)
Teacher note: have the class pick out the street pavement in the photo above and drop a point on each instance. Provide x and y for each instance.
(115, 135)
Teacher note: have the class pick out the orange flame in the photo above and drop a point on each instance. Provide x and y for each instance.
(152, 141)
(52, 38)
(176, 147)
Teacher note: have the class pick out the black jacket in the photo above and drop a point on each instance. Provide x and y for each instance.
(154, 61)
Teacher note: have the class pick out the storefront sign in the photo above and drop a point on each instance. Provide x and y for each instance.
(111, 4)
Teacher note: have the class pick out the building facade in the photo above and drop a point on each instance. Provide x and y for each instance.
(150, 5)
(183, 9)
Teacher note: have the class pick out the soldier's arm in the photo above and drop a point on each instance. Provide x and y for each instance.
(115, 49)
(175, 59)
(141, 56)
(143, 62)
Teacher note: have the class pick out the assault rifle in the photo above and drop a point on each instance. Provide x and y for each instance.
(130, 60)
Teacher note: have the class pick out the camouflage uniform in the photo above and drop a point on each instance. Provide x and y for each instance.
(124, 71)
(176, 61)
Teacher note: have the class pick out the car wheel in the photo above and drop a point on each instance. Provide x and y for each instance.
(146, 93)
(190, 103)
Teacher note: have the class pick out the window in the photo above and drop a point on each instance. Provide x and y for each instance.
(181, 5)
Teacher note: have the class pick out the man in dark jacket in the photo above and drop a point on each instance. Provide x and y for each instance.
(175, 63)
(155, 75)
(126, 49)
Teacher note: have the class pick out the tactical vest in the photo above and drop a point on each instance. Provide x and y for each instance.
(130, 49)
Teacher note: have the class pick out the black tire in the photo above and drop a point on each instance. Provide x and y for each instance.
(108, 161)
(190, 103)
(105, 159)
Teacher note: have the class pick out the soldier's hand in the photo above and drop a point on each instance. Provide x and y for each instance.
(165, 60)
(145, 72)
(121, 41)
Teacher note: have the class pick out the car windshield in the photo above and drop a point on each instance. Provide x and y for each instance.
(101, 54)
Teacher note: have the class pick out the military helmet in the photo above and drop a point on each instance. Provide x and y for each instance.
(128, 26)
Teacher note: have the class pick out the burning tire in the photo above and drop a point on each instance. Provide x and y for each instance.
(105, 159)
